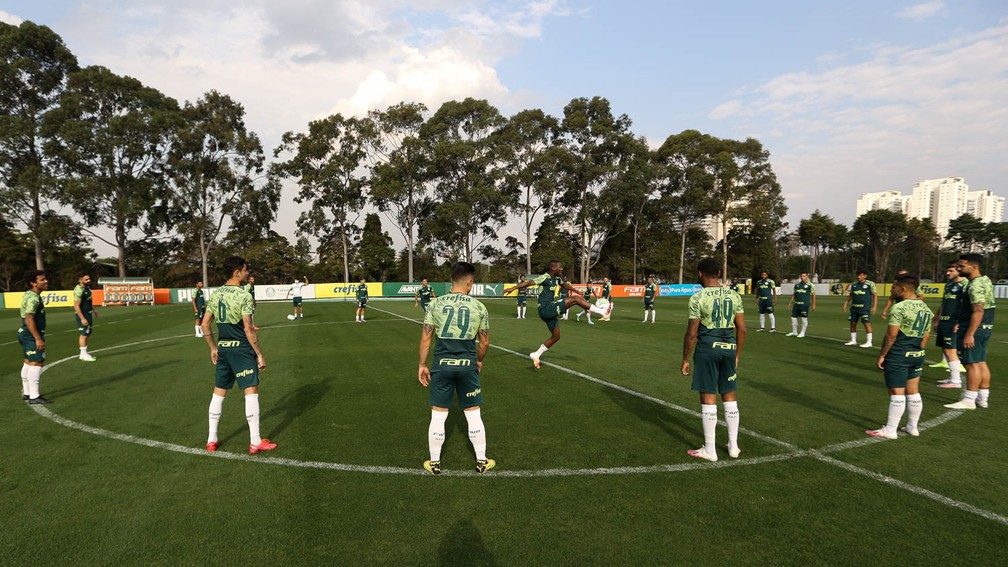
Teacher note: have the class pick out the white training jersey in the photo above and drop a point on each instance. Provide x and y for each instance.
(296, 288)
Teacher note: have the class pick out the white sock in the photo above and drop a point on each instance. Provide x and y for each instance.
(24, 379)
(773, 321)
(709, 417)
(853, 337)
(524, 310)
(944, 358)
(983, 394)
(645, 316)
(653, 312)
(897, 405)
(794, 325)
(915, 406)
(540, 351)
(34, 377)
(83, 351)
(436, 433)
(868, 339)
(579, 315)
(969, 396)
(955, 371)
(518, 309)
(588, 313)
(252, 417)
(731, 417)
(199, 331)
(477, 434)
(804, 325)
(762, 321)
(596, 309)
(216, 407)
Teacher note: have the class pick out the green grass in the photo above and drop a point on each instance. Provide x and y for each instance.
(339, 392)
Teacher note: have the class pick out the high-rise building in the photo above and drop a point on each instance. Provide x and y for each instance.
(888, 200)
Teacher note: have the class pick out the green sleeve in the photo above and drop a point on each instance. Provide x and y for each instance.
(540, 279)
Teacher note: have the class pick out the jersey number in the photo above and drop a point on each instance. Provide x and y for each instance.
(461, 321)
(222, 312)
(922, 323)
(722, 313)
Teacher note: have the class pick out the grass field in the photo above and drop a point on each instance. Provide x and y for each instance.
(591, 451)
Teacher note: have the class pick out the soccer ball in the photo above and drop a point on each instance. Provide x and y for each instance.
(602, 303)
(291, 317)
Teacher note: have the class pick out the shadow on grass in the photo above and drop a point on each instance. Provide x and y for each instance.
(673, 423)
(813, 403)
(463, 545)
(105, 380)
(287, 409)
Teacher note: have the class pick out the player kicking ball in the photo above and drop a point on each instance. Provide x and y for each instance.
(552, 306)
(902, 357)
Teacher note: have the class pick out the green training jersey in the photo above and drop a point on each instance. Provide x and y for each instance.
(200, 299)
(716, 308)
(564, 293)
(861, 295)
(457, 319)
(524, 290)
(425, 294)
(735, 287)
(979, 290)
(228, 303)
(765, 288)
(588, 293)
(550, 291)
(362, 291)
(803, 293)
(650, 291)
(249, 288)
(952, 300)
(606, 290)
(82, 293)
(32, 303)
(913, 318)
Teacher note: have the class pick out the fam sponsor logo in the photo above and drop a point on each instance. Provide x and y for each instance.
(52, 297)
(634, 290)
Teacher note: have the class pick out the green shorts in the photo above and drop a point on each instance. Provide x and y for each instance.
(362, 303)
(901, 368)
(522, 299)
(979, 351)
(649, 304)
(714, 369)
(799, 311)
(455, 375)
(765, 306)
(199, 314)
(551, 313)
(236, 364)
(945, 336)
(84, 331)
(297, 302)
(28, 346)
(424, 304)
(859, 315)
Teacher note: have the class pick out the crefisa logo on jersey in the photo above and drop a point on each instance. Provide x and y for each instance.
(54, 297)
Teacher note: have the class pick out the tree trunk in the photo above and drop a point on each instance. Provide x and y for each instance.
(346, 254)
(724, 246)
(635, 254)
(204, 251)
(35, 229)
(411, 218)
(682, 252)
(121, 247)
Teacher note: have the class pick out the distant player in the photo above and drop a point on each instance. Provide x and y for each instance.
(858, 299)
(31, 335)
(946, 325)
(736, 286)
(587, 297)
(564, 293)
(423, 295)
(522, 298)
(607, 295)
(717, 330)
(893, 299)
(362, 298)
(766, 298)
(84, 314)
(976, 324)
(250, 288)
(902, 357)
(462, 326)
(199, 308)
(802, 299)
(650, 293)
(236, 355)
(296, 289)
(551, 306)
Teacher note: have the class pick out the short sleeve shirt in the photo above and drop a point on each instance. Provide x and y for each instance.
(362, 291)
(803, 293)
(980, 290)
(716, 308)
(425, 293)
(861, 294)
(457, 319)
(228, 303)
(296, 288)
(913, 318)
(200, 299)
(32, 303)
(650, 291)
(550, 291)
(765, 288)
(83, 294)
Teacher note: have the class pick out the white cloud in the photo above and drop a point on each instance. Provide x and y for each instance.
(725, 110)
(10, 19)
(923, 11)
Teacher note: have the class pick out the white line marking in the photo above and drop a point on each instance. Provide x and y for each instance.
(947, 416)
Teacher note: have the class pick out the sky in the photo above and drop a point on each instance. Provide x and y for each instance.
(848, 97)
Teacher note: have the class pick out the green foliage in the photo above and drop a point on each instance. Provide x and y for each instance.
(882, 232)
(376, 255)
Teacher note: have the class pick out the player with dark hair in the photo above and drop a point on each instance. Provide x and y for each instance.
(423, 295)
(717, 330)
(902, 357)
(362, 297)
(462, 326)
(250, 288)
(766, 299)
(976, 324)
(84, 314)
(650, 294)
(522, 298)
(199, 308)
(236, 355)
(802, 299)
(946, 324)
(859, 309)
(552, 306)
(587, 294)
(296, 290)
(607, 295)
(31, 335)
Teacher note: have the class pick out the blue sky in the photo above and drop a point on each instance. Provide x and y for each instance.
(848, 97)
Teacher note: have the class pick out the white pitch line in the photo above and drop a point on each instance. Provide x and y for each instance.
(945, 417)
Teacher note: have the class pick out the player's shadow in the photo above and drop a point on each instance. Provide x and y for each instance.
(287, 409)
(807, 401)
(674, 424)
(106, 380)
(457, 423)
(463, 545)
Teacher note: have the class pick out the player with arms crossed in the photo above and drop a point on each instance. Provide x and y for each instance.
(522, 296)
(650, 293)
(236, 354)
(362, 298)
(946, 325)
(84, 314)
(802, 298)
(976, 324)
(859, 309)
(717, 330)
(31, 335)
(902, 357)
(462, 326)
(766, 298)
(199, 308)
(423, 295)
(551, 306)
